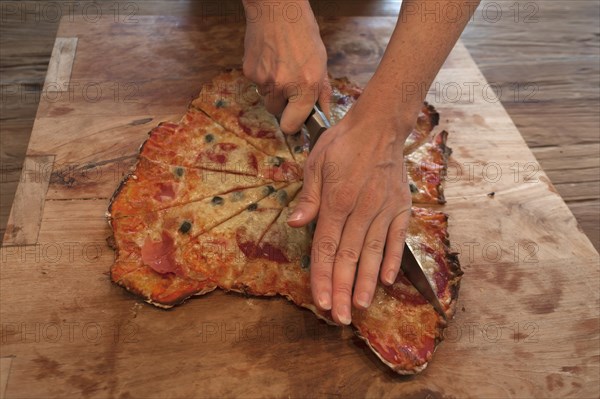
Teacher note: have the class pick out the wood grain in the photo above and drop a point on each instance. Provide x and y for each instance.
(528, 305)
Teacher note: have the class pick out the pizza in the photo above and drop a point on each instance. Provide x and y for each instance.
(206, 207)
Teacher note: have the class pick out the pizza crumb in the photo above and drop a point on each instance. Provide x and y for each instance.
(491, 194)
(463, 309)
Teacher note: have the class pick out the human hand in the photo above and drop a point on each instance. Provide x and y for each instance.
(355, 180)
(287, 60)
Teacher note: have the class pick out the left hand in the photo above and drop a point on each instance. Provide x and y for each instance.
(355, 179)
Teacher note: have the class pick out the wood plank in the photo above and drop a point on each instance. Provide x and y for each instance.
(58, 76)
(26, 214)
(5, 363)
(529, 255)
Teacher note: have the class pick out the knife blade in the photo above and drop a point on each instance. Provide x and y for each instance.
(414, 272)
(316, 124)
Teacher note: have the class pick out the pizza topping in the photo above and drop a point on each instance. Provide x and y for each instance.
(165, 192)
(403, 291)
(217, 200)
(220, 103)
(185, 227)
(273, 253)
(413, 188)
(282, 197)
(277, 161)
(264, 251)
(252, 207)
(298, 149)
(305, 261)
(158, 255)
(209, 138)
(269, 189)
(237, 196)
(179, 171)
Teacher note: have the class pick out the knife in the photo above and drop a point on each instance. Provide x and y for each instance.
(414, 272)
(316, 124)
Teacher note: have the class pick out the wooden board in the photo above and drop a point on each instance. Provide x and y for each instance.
(527, 324)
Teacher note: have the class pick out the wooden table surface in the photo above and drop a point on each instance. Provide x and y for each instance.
(547, 46)
(528, 319)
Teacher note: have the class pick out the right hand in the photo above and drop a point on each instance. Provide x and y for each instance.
(287, 60)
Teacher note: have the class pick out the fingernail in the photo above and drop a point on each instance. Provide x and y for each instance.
(390, 277)
(344, 314)
(324, 302)
(296, 215)
(363, 300)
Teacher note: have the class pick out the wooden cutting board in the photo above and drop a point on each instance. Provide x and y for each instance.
(527, 320)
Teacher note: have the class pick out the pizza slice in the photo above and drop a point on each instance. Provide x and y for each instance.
(153, 186)
(223, 252)
(426, 169)
(199, 142)
(400, 326)
(232, 101)
(151, 246)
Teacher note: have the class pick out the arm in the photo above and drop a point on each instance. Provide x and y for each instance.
(364, 212)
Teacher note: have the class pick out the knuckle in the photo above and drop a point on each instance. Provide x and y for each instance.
(342, 199)
(375, 246)
(369, 277)
(321, 276)
(343, 288)
(394, 257)
(347, 255)
(309, 197)
(324, 249)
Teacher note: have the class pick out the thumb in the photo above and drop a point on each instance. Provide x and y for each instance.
(309, 200)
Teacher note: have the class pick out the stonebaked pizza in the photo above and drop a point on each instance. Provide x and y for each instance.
(207, 203)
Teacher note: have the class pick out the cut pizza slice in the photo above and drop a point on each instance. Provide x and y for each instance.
(154, 186)
(198, 142)
(156, 234)
(233, 102)
(152, 244)
(426, 169)
(400, 326)
(223, 252)
(281, 263)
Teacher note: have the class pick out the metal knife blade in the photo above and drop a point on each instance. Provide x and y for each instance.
(316, 124)
(413, 270)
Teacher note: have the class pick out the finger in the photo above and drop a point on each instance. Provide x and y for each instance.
(346, 262)
(370, 261)
(394, 248)
(273, 98)
(309, 200)
(297, 110)
(324, 246)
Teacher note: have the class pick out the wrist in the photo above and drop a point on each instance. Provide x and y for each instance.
(385, 114)
(268, 11)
